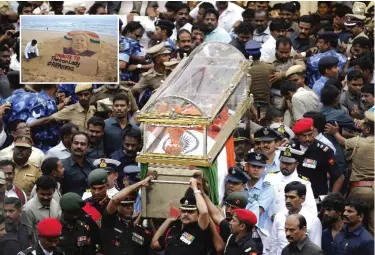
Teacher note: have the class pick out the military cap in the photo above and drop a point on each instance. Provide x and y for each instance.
(328, 61)
(283, 130)
(252, 47)
(289, 155)
(295, 69)
(369, 115)
(328, 35)
(49, 227)
(157, 50)
(2, 178)
(188, 203)
(266, 134)
(132, 174)
(98, 176)
(303, 125)
(238, 199)
(107, 164)
(129, 199)
(71, 202)
(358, 15)
(171, 63)
(164, 24)
(236, 174)
(241, 134)
(257, 159)
(82, 87)
(23, 141)
(246, 216)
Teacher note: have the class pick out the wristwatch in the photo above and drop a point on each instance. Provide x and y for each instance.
(139, 66)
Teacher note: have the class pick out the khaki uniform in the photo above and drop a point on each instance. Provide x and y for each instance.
(363, 170)
(150, 79)
(103, 92)
(26, 177)
(75, 114)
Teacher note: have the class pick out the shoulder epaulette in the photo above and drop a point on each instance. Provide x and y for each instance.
(303, 177)
(26, 252)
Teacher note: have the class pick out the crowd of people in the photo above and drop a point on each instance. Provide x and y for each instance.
(303, 181)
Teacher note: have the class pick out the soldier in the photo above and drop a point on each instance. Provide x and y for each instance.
(236, 180)
(241, 145)
(49, 232)
(121, 234)
(80, 234)
(95, 205)
(109, 91)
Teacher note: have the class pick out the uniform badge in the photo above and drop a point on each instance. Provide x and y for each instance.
(186, 202)
(281, 129)
(237, 202)
(103, 164)
(137, 238)
(287, 152)
(187, 238)
(266, 184)
(233, 171)
(325, 149)
(265, 131)
(331, 161)
(258, 157)
(309, 163)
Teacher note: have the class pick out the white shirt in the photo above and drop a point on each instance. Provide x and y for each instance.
(278, 239)
(110, 193)
(59, 151)
(31, 49)
(44, 251)
(14, 64)
(187, 27)
(12, 193)
(228, 17)
(304, 101)
(323, 139)
(262, 37)
(3, 137)
(36, 157)
(268, 51)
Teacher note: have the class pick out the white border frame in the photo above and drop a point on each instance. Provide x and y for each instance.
(70, 82)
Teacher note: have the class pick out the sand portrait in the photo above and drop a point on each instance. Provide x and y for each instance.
(69, 49)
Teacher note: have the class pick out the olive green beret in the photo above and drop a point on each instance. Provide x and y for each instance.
(97, 177)
(238, 199)
(71, 202)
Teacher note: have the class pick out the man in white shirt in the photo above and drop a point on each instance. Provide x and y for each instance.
(181, 20)
(31, 50)
(216, 33)
(295, 193)
(8, 169)
(230, 13)
(262, 31)
(62, 150)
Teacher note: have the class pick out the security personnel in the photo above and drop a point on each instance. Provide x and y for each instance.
(121, 235)
(49, 232)
(164, 30)
(234, 201)
(109, 91)
(80, 235)
(95, 205)
(261, 193)
(236, 180)
(289, 159)
(317, 161)
(241, 145)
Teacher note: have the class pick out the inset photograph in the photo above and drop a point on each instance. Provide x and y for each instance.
(69, 49)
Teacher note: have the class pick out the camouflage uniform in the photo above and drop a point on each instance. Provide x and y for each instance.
(21, 103)
(128, 47)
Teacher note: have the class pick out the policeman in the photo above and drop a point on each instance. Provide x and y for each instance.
(261, 193)
(121, 234)
(95, 205)
(236, 180)
(49, 232)
(163, 32)
(241, 145)
(80, 235)
(289, 159)
(109, 91)
(318, 160)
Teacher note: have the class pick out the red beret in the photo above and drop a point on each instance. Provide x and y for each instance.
(246, 216)
(303, 125)
(49, 227)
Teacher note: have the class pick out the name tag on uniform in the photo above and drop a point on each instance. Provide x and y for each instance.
(309, 163)
(81, 241)
(187, 238)
(137, 238)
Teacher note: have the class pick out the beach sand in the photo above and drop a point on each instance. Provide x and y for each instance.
(36, 70)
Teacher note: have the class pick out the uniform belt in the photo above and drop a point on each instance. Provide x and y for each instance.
(362, 184)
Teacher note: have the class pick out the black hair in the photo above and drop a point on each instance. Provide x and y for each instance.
(49, 165)
(13, 201)
(272, 113)
(7, 162)
(34, 41)
(70, 13)
(363, 42)
(81, 133)
(182, 6)
(12, 126)
(132, 131)
(260, 12)
(354, 75)
(172, 5)
(296, 186)
(277, 6)
(5, 27)
(334, 201)
(131, 27)
(206, 6)
(14, 79)
(334, 82)
(322, 67)
(197, 27)
(302, 221)
(244, 28)
(297, 5)
(278, 24)
(121, 97)
(248, 14)
(283, 40)
(342, 10)
(182, 31)
(364, 63)
(93, 9)
(329, 94)
(21, 5)
(359, 205)
(289, 7)
(367, 88)
(288, 86)
(2, 218)
(326, 17)
(319, 120)
(212, 11)
(324, 2)
(66, 129)
(167, 29)
(45, 182)
(306, 19)
(96, 121)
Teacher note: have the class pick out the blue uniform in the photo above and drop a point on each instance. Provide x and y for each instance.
(128, 47)
(312, 72)
(359, 242)
(170, 45)
(47, 136)
(319, 85)
(21, 102)
(261, 195)
(68, 89)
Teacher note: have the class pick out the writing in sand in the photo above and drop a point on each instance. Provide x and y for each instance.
(64, 61)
